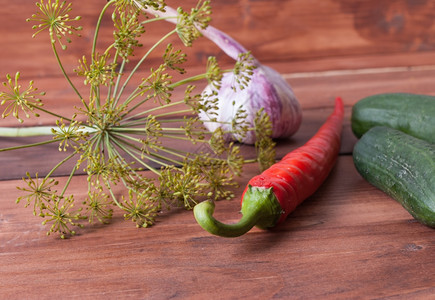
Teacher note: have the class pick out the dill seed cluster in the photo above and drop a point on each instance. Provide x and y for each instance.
(117, 132)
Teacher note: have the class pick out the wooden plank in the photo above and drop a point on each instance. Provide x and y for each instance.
(17, 162)
(352, 86)
(308, 29)
(348, 240)
(315, 92)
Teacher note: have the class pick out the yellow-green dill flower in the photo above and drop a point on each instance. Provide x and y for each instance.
(37, 191)
(129, 29)
(98, 206)
(17, 100)
(54, 16)
(60, 214)
(69, 135)
(98, 72)
(139, 209)
(189, 24)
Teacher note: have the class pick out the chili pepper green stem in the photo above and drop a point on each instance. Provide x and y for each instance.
(259, 208)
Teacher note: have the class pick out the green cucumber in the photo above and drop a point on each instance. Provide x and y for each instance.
(402, 166)
(409, 113)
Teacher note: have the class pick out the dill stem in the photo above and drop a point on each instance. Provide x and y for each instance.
(95, 139)
(94, 46)
(34, 131)
(150, 154)
(137, 122)
(110, 149)
(157, 19)
(140, 152)
(139, 64)
(152, 109)
(25, 131)
(185, 154)
(172, 120)
(120, 142)
(56, 54)
(30, 145)
(115, 154)
(106, 52)
(177, 152)
(188, 80)
(51, 113)
(248, 161)
(144, 121)
(133, 95)
(118, 82)
(174, 113)
(184, 138)
(97, 27)
(173, 129)
(96, 91)
(115, 58)
(109, 187)
(73, 171)
(194, 78)
(99, 143)
(127, 130)
(59, 164)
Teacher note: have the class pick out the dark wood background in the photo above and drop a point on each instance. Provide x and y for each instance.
(348, 241)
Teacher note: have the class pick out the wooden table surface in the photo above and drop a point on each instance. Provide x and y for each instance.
(348, 241)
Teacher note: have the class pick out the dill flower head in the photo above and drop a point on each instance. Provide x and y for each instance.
(54, 17)
(18, 100)
(135, 118)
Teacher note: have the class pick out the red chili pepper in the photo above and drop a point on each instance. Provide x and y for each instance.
(271, 196)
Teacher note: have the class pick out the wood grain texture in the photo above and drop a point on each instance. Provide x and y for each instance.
(351, 85)
(274, 30)
(348, 241)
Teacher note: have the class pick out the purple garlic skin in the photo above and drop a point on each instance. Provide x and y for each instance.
(266, 89)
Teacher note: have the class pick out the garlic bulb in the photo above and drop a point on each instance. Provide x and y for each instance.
(266, 89)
